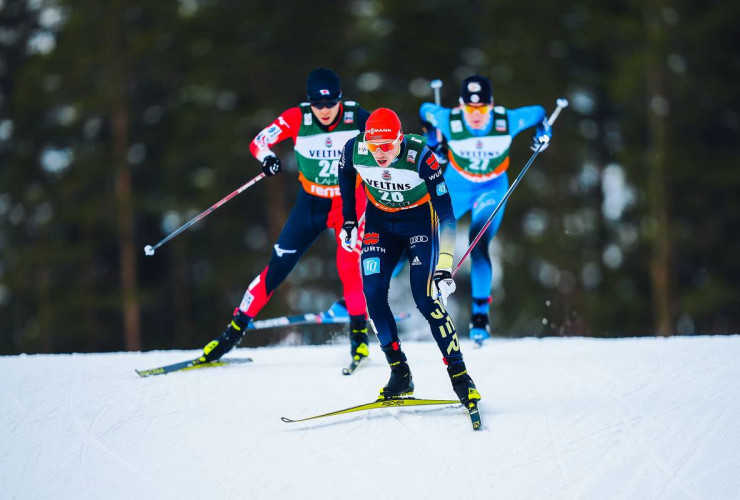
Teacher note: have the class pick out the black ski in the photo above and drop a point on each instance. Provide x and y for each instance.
(474, 415)
(191, 365)
(354, 365)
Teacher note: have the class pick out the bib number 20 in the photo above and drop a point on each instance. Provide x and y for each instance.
(392, 196)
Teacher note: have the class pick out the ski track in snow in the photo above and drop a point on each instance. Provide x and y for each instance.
(563, 418)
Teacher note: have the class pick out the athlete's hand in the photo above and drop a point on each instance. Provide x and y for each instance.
(442, 285)
(542, 142)
(348, 235)
(542, 136)
(271, 165)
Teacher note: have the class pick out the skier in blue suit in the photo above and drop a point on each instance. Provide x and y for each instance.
(478, 136)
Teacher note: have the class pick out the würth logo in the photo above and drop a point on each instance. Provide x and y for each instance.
(371, 239)
(432, 162)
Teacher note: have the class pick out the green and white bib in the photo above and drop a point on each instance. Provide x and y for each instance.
(318, 151)
(397, 186)
(479, 159)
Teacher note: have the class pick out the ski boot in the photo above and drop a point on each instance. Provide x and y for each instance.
(462, 384)
(358, 339)
(228, 339)
(479, 328)
(358, 348)
(466, 392)
(401, 383)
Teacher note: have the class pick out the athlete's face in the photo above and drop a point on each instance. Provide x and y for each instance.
(477, 116)
(384, 158)
(325, 111)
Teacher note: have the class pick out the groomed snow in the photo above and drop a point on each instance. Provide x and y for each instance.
(568, 418)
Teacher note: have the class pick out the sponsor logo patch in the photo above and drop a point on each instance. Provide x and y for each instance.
(371, 266)
(456, 126)
(432, 162)
(372, 248)
(281, 251)
(328, 142)
(349, 117)
(418, 239)
(500, 125)
(411, 157)
(386, 175)
(361, 148)
(441, 189)
(416, 261)
(371, 239)
(307, 119)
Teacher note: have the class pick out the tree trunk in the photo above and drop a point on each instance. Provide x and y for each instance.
(657, 157)
(119, 117)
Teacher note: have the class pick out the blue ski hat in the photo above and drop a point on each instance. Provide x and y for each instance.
(323, 85)
(476, 89)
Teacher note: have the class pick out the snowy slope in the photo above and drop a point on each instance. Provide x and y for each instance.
(563, 418)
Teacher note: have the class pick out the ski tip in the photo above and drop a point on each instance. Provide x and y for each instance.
(287, 420)
(345, 371)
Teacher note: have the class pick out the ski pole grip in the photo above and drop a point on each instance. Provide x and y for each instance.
(561, 104)
(436, 85)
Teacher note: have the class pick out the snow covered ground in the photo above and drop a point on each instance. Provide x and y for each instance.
(563, 418)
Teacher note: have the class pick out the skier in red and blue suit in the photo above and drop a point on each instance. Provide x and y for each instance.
(319, 129)
(478, 136)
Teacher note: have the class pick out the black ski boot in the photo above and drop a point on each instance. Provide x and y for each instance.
(358, 339)
(400, 383)
(479, 328)
(228, 339)
(462, 384)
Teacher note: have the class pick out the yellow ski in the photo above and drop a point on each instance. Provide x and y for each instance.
(381, 403)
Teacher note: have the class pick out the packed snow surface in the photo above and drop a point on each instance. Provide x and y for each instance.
(566, 418)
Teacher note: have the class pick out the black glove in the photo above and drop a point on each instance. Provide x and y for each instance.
(271, 165)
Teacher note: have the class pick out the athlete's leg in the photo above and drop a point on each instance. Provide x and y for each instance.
(305, 222)
(348, 266)
(422, 246)
(381, 251)
(481, 272)
(423, 251)
(299, 232)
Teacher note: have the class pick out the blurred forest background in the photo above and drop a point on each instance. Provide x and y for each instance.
(121, 120)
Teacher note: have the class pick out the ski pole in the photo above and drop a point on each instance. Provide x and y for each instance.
(436, 85)
(149, 249)
(561, 104)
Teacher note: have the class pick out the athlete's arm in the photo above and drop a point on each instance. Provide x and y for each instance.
(430, 171)
(347, 181)
(285, 126)
(528, 116)
(439, 118)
